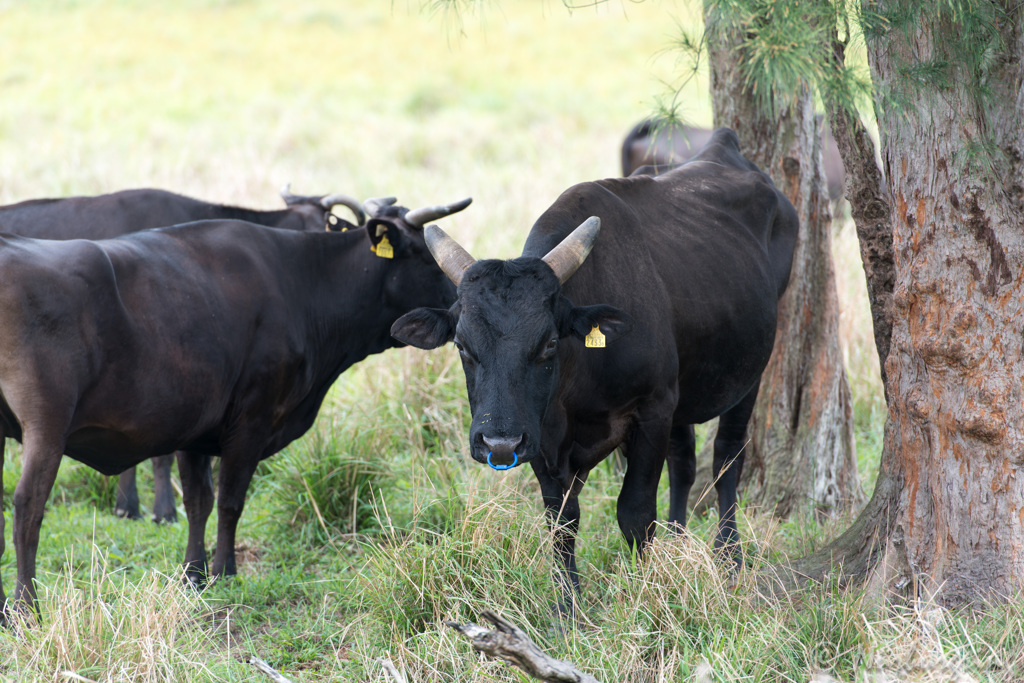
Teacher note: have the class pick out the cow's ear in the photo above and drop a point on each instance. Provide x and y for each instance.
(425, 328)
(599, 325)
(335, 223)
(386, 238)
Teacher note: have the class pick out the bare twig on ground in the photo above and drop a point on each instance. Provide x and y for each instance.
(267, 669)
(510, 644)
(392, 671)
(72, 676)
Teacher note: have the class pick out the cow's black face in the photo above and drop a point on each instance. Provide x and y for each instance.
(508, 335)
(509, 324)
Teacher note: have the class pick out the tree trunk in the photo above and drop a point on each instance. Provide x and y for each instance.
(801, 452)
(871, 210)
(948, 511)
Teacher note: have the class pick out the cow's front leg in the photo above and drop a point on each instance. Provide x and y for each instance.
(638, 500)
(563, 512)
(3, 596)
(197, 496)
(163, 494)
(126, 501)
(730, 443)
(40, 458)
(236, 470)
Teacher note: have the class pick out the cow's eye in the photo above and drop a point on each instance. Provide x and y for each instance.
(463, 353)
(549, 350)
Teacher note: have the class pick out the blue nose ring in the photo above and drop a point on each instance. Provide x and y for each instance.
(502, 467)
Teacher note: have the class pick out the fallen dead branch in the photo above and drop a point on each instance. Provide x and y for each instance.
(510, 644)
(391, 670)
(267, 669)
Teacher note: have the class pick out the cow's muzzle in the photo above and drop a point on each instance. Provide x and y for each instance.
(501, 451)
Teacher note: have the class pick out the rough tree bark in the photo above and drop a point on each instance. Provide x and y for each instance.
(801, 453)
(947, 517)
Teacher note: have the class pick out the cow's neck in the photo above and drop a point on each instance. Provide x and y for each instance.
(350, 315)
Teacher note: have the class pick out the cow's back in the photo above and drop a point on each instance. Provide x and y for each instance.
(697, 256)
(102, 216)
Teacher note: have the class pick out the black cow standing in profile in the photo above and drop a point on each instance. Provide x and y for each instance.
(660, 144)
(668, 323)
(215, 338)
(119, 213)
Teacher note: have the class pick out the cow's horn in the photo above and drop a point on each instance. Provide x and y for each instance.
(420, 217)
(449, 254)
(288, 197)
(331, 200)
(573, 250)
(377, 204)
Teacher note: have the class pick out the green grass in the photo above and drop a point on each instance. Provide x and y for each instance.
(359, 540)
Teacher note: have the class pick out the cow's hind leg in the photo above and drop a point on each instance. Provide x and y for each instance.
(163, 494)
(40, 457)
(126, 502)
(682, 471)
(730, 444)
(197, 495)
(237, 465)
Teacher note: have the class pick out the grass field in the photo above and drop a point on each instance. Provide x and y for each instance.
(359, 540)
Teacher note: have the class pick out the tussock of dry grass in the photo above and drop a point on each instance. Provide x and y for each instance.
(106, 627)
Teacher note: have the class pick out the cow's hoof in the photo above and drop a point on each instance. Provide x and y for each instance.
(732, 560)
(563, 618)
(195, 577)
(127, 514)
(167, 518)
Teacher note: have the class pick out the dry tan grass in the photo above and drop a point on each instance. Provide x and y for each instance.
(106, 628)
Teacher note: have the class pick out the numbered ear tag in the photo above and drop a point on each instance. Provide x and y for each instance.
(595, 340)
(385, 250)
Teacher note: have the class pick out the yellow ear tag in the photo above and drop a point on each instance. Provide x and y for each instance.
(595, 340)
(385, 250)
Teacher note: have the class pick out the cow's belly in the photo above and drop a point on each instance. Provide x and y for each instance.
(720, 361)
(112, 452)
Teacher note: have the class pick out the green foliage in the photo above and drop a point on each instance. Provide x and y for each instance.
(495, 555)
(787, 46)
(325, 484)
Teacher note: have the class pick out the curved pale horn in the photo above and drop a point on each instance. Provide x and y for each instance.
(288, 197)
(574, 249)
(377, 204)
(328, 202)
(449, 254)
(420, 217)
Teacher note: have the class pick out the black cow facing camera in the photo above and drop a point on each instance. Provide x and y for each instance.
(640, 306)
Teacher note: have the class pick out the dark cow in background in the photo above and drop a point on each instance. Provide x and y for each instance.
(668, 323)
(658, 143)
(215, 338)
(120, 213)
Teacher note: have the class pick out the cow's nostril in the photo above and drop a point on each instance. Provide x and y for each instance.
(502, 451)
